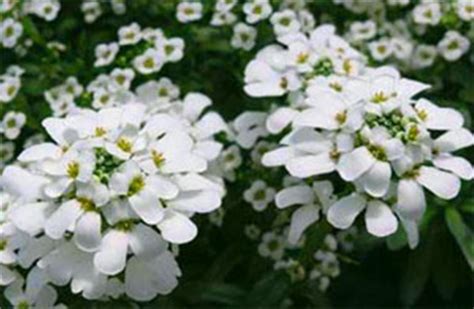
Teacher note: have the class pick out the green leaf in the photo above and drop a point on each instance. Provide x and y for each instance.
(270, 291)
(416, 272)
(397, 240)
(32, 31)
(461, 232)
(224, 294)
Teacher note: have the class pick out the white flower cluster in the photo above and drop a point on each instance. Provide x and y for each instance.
(362, 123)
(291, 16)
(109, 193)
(11, 28)
(323, 268)
(92, 9)
(402, 40)
(157, 49)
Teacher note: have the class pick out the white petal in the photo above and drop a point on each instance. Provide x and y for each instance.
(296, 195)
(58, 187)
(343, 213)
(457, 165)
(208, 150)
(194, 104)
(197, 201)
(379, 219)
(439, 118)
(145, 242)
(162, 187)
(147, 206)
(112, 255)
(315, 118)
(22, 184)
(277, 157)
(7, 276)
(301, 219)
(377, 180)
(454, 140)
(410, 199)
(280, 119)
(40, 152)
(352, 165)
(62, 219)
(411, 229)
(177, 228)
(87, 234)
(140, 280)
(307, 166)
(444, 185)
(30, 218)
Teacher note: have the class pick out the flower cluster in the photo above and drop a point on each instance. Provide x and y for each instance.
(12, 13)
(92, 9)
(149, 49)
(363, 124)
(115, 182)
(403, 40)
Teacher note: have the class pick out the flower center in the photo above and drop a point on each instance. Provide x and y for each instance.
(124, 144)
(158, 158)
(136, 185)
(86, 204)
(379, 97)
(73, 169)
(259, 195)
(124, 225)
(3, 244)
(377, 152)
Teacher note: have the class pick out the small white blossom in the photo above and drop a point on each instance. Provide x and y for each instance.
(188, 11)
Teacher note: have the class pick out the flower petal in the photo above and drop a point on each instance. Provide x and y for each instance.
(411, 201)
(442, 184)
(296, 195)
(301, 219)
(307, 166)
(147, 206)
(343, 213)
(459, 166)
(352, 165)
(65, 216)
(177, 228)
(112, 255)
(379, 219)
(87, 234)
(145, 242)
(376, 181)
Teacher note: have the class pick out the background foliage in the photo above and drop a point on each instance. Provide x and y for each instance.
(221, 266)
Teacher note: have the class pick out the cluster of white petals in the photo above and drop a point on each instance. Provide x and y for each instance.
(366, 124)
(108, 195)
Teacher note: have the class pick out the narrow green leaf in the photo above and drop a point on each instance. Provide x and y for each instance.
(461, 232)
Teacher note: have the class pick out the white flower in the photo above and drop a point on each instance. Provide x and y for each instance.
(130, 34)
(265, 76)
(465, 9)
(149, 62)
(34, 294)
(424, 56)
(225, 5)
(7, 150)
(10, 31)
(121, 78)
(231, 158)
(9, 87)
(361, 31)
(47, 9)
(188, 11)
(158, 94)
(272, 246)
(402, 48)
(105, 54)
(221, 18)
(306, 20)
(453, 45)
(92, 10)
(256, 10)
(379, 218)
(12, 123)
(244, 36)
(171, 49)
(381, 49)
(312, 200)
(259, 195)
(249, 126)
(427, 13)
(285, 22)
